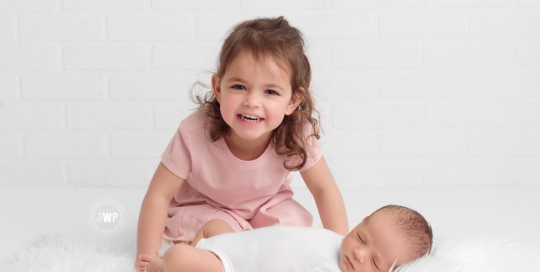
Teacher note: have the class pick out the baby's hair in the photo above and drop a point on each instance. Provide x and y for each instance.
(413, 227)
(270, 37)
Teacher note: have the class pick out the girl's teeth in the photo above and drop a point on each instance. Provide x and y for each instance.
(250, 120)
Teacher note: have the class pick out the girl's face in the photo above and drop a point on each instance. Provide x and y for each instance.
(254, 96)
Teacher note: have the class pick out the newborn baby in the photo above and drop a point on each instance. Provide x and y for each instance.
(386, 239)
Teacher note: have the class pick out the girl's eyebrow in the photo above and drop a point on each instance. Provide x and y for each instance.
(274, 86)
(236, 79)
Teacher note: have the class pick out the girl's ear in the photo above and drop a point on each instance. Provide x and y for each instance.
(295, 101)
(216, 87)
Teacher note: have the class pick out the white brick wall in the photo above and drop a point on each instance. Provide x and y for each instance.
(411, 92)
(8, 88)
(428, 24)
(161, 26)
(85, 87)
(469, 3)
(7, 28)
(467, 53)
(31, 116)
(105, 57)
(380, 54)
(65, 145)
(528, 54)
(60, 28)
(17, 56)
(10, 146)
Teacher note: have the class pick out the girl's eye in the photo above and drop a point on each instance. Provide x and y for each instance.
(240, 87)
(271, 92)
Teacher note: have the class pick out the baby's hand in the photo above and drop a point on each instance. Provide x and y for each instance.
(140, 265)
(149, 263)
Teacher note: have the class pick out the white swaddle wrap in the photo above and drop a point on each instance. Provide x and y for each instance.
(279, 248)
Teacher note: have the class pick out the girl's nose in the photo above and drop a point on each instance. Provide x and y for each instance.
(252, 100)
(360, 255)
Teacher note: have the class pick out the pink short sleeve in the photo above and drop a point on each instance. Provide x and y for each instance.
(176, 156)
(313, 151)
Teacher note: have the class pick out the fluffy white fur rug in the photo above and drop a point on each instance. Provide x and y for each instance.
(75, 253)
(478, 253)
(455, 253)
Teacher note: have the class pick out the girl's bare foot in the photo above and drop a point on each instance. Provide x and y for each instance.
(150, 263)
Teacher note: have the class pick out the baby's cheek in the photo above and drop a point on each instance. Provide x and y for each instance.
(342, 264)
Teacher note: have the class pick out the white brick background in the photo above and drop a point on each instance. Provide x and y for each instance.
(412, 93)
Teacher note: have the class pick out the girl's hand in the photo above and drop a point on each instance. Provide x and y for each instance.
(149, 263)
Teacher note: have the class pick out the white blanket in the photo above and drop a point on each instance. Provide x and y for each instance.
(452, 252)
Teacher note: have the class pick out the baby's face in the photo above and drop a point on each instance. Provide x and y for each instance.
(373, 245)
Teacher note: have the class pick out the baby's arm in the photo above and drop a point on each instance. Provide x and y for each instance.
(329, 201)
(153, 214)
(182, 257)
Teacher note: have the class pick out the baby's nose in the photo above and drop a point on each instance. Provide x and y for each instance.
(359, 254)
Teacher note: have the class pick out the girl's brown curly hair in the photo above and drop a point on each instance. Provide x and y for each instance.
(272, 37)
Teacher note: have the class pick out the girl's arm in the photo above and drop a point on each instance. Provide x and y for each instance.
(154, 208)
(329, 202)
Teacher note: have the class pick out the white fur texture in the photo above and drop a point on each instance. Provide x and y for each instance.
(455, 253)
(477, 253)
(75, 253)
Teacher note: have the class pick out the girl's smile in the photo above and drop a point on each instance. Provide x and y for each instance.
(249, 120)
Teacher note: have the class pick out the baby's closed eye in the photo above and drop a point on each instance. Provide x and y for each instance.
(359, 237)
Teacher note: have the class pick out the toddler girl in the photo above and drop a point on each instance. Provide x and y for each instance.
(232, 158)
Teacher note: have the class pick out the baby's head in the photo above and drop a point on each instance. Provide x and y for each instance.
(391, 236)
(263, 68)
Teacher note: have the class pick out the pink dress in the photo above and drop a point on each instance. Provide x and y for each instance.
(245, 194)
